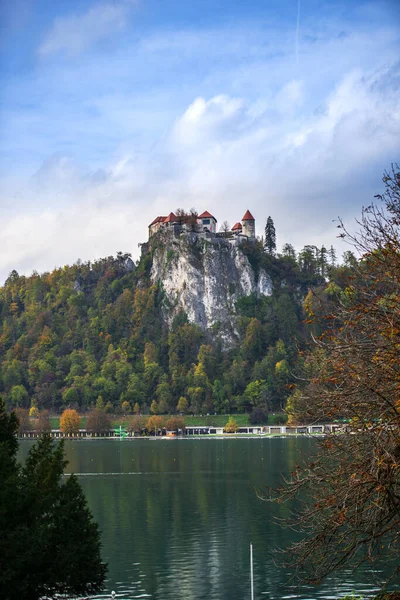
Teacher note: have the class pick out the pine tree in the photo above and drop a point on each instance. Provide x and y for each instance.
(49, 543)
(332, 256)
(323, 261)
(270, 237)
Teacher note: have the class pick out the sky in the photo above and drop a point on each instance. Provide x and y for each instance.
(114, 112)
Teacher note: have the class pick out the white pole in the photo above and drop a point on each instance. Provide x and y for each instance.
(251, 572)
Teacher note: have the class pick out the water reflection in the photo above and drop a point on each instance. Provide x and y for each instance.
(178, 516)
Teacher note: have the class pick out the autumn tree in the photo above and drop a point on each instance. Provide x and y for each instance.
(154, 424)
(43, 424)
(175, 424)
(137, 423)
(39, 507)
(98, 421)
(231, 426)
(70, 421)
(24, 423)
(33, 411)
(126, 407)
(353, 482)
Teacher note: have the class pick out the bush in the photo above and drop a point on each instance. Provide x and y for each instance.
(279, 419)
(258, 417)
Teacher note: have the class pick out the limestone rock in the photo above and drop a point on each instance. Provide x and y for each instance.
(205, 278)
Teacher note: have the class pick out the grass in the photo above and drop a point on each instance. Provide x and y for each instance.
(216, 420)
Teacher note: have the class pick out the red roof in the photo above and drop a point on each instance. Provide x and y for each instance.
(248, 216)
(237, 226)
(157, 220)
(206, 215)
(171, 218)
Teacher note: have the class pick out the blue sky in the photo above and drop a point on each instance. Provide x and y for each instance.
(114, 112)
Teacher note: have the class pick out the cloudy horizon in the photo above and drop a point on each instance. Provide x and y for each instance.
(115, 112)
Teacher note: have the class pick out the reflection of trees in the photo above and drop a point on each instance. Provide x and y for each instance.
(190, 514)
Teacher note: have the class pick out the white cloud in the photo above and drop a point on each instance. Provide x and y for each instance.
(218, 119)
(224, 154)
(75, 33)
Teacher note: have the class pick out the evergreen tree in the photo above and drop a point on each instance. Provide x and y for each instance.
(270, 237)
(49, 544)
(323, 261)
(332, 256)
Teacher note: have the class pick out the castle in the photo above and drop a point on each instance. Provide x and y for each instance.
(204, 225)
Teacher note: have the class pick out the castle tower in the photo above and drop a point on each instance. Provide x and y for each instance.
(249, 225)
(207, 221)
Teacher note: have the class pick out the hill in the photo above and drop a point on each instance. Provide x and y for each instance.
(217, 329)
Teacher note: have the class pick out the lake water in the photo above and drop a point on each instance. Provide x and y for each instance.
(177, 517)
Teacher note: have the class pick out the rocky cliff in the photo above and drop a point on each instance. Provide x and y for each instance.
(205, 277)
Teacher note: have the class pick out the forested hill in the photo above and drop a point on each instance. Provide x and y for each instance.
(99, 333)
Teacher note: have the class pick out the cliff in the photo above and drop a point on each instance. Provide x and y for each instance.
(205, 276)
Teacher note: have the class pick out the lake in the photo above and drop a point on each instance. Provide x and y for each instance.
(177, 517)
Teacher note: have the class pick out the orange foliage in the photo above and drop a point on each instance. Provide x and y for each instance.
(70, 421)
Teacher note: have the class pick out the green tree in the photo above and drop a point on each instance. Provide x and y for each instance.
(182, 405)
(270, 237)
(257, 394)
(39, 507)
(19, 396)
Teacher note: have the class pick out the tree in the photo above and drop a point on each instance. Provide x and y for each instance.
(270, 237)
(126, 407)
(154, 407)
(24, 423)
(231, 426)
(39, 507)
(18, 396)
(332, 256)
(137, 423)
(354, 481)
(182, 405)
(154, 424)
(98, 421)
(100, 403)
(257, 394)
(43, 424)
(258, 417)
(33, 411)
(175, 424)
(70, 421)
(289, 251)
(225, 227)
